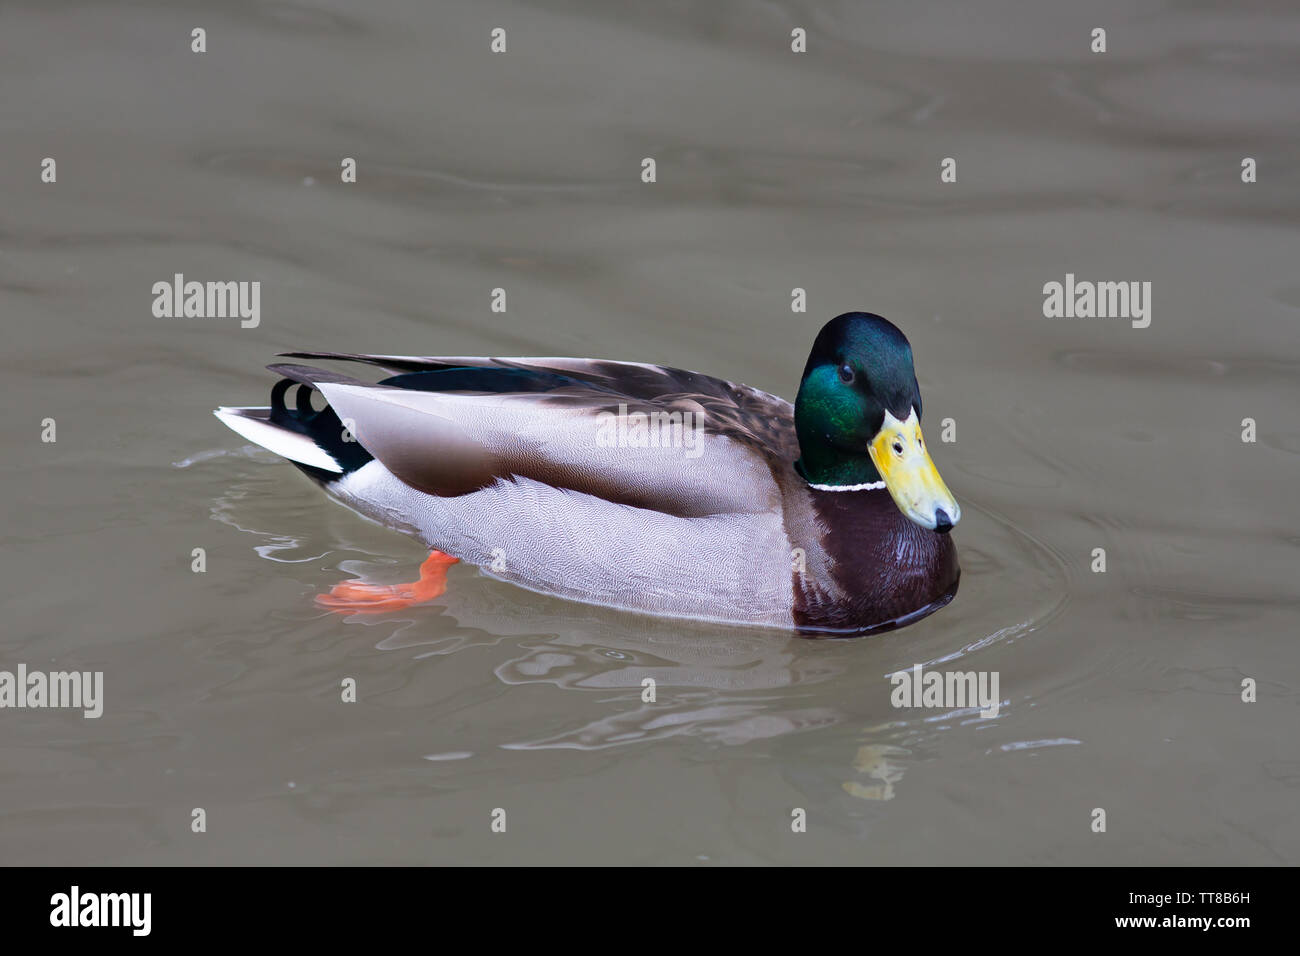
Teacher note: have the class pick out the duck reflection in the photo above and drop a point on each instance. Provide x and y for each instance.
(661, 678)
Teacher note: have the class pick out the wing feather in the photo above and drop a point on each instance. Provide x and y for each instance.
(555, 420)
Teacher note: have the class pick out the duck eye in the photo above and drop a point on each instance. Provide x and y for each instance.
(898, 448)
(846, 374)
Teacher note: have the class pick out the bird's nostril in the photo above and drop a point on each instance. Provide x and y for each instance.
(942, 523)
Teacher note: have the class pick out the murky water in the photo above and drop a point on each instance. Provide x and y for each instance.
(1120, 690)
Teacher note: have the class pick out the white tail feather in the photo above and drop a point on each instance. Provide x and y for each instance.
(287, 444)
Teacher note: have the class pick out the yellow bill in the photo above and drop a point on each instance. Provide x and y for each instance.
(899, 454)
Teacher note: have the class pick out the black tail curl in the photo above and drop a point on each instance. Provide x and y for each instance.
(322, 426)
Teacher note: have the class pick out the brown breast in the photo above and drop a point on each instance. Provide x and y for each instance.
(865, 566)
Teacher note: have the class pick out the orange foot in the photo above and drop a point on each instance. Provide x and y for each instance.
(356, 596)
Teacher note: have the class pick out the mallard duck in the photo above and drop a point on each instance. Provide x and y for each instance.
(640, 487)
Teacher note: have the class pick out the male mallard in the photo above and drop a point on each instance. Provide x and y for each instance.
(641, 487)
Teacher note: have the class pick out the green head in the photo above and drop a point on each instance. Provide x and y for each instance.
(858, 417)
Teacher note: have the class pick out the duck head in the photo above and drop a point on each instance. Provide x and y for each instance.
(858, 417)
